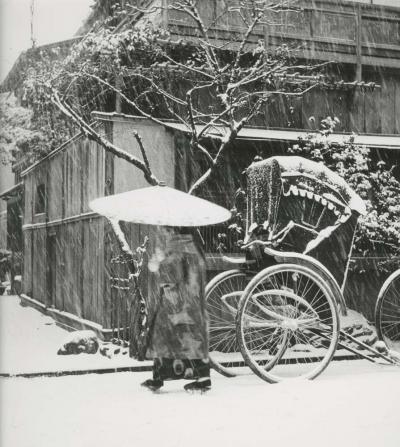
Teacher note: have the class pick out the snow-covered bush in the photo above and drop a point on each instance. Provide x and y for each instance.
(78, 342)
(378, 233)
(17, 132)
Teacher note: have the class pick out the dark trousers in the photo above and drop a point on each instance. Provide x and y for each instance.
(173, 369)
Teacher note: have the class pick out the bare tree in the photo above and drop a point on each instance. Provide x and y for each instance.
(240, 77)
(237, 75)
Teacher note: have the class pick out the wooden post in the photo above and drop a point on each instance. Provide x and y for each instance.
(109, 162)
(118, 85)
(358, 43)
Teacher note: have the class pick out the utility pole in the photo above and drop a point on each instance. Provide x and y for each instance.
(33, 40)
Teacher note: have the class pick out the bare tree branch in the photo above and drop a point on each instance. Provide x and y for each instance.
(238, 90)
(233, 132)
(142, 150)
(90, 132)
(190, 8)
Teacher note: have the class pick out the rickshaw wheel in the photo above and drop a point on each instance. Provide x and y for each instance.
(288, 319)
(387, 312)
(223, 293)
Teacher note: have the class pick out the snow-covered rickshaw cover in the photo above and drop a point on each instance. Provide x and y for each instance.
(301, 205)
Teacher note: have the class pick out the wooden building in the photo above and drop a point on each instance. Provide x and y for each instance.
(68, 249)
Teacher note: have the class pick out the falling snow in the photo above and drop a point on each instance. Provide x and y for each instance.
(353, 403)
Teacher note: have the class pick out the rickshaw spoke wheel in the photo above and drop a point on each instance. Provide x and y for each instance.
(387, 312)
(222, 299)
(287, 323)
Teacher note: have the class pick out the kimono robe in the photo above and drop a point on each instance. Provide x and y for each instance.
(177, 312)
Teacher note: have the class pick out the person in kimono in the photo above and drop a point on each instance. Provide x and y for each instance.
(177, 311)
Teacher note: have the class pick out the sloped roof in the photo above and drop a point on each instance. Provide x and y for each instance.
(380, 141)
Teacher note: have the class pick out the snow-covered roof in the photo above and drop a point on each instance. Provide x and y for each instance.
(257, 134)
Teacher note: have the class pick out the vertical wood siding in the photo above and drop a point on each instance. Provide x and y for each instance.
(27, 269)
(28, 198)
(61, 279)
(64, 260)
(39, 264)
(76, 174)
(94, 296)
(54, 188)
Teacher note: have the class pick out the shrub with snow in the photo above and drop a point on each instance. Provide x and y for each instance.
(378, 232)
(80, 341)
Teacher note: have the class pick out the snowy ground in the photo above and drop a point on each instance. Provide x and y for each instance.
(353, 403)
(29, 342)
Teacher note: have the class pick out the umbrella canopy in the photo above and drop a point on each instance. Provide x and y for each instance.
(160, 205)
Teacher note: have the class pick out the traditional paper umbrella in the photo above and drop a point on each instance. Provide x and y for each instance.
(160, 205)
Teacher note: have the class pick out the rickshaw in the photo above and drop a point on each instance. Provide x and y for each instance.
(277, 312)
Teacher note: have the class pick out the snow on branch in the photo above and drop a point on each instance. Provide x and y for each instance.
(198, 83)
(91, 133)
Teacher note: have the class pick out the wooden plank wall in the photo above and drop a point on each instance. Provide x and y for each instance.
(328, 30)
(61, 281)
(39, 264)
(78, 268)
(95, 297)
(72, 243)
(27, 276)
(328, 25)
(55, 188)
(159, 145)
(376, 111)
(28, 199)
(73, 177)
